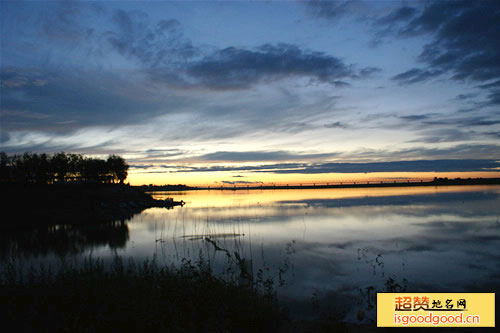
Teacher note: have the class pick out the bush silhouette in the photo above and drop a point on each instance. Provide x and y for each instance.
(61, 167)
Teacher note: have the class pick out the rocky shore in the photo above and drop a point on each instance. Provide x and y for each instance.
(41, 205)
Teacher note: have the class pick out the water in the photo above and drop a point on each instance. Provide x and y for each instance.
(323, 248)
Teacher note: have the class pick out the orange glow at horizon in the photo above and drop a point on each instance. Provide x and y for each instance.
(226, 178)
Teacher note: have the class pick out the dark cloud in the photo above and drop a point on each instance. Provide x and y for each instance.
(414, 117)
(475, 157)
(158, 153)
(46, 144)
(69, 96)
(495, 135)
(461, 151)
(334, 10)
(252, 156)
(61, 21)
(264, 168)
(403, 166)
(368, 71)
(50, 33)
(172, 59)
(433, 17)
(337, 124)
(240, 68)
(340, 84)
(416, 75)
(4, 136)
(495, 84)
(465, 42)
(151, 44)
(494, 97)
(60, 100)
(11, 78)
(74, 94)
(387, 25)
(155, 157)
(443, 165)
(463, 97)
(471, 121)
(479, 122)
(142, 166)
(399, 15)
(443, 135)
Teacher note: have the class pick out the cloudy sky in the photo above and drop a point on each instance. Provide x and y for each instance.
(247, 91)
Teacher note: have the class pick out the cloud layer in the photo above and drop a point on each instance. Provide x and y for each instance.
(465, 41)
(448, 165)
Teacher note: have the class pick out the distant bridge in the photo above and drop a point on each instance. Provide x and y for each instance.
(318, 184)
(363, 183)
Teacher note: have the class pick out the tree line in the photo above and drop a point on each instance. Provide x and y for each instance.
(61, 167)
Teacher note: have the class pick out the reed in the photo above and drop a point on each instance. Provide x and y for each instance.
(125, 296)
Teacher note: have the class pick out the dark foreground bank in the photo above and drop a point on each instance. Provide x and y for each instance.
(143, 297)
(130, 297)
(32, 205)
(124, 297)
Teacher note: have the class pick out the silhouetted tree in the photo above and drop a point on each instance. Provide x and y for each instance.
(60, 165)
(118, 168)
(43, 169)
(94, 169)
(75, 162)
(4, 167)
(25, 168)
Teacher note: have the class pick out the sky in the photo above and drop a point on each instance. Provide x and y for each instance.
(239, 92)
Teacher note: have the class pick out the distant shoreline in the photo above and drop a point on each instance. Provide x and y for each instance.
(364, 184)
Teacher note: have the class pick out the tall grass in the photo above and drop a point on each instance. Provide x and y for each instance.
(130, 296)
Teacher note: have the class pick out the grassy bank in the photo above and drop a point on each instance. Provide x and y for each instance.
(40, 205)
(132, 297)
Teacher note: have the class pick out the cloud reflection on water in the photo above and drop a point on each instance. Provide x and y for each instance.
(334, 243)
(436, 239)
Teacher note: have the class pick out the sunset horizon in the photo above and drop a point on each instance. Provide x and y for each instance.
(223, 179)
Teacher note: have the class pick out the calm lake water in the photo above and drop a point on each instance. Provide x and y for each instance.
(323, 248)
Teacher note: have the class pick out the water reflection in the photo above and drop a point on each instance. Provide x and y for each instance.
(62, 240)
(230, 198)
(348, 245)
(333, 247)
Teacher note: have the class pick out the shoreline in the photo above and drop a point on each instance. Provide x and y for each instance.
(73, 204)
